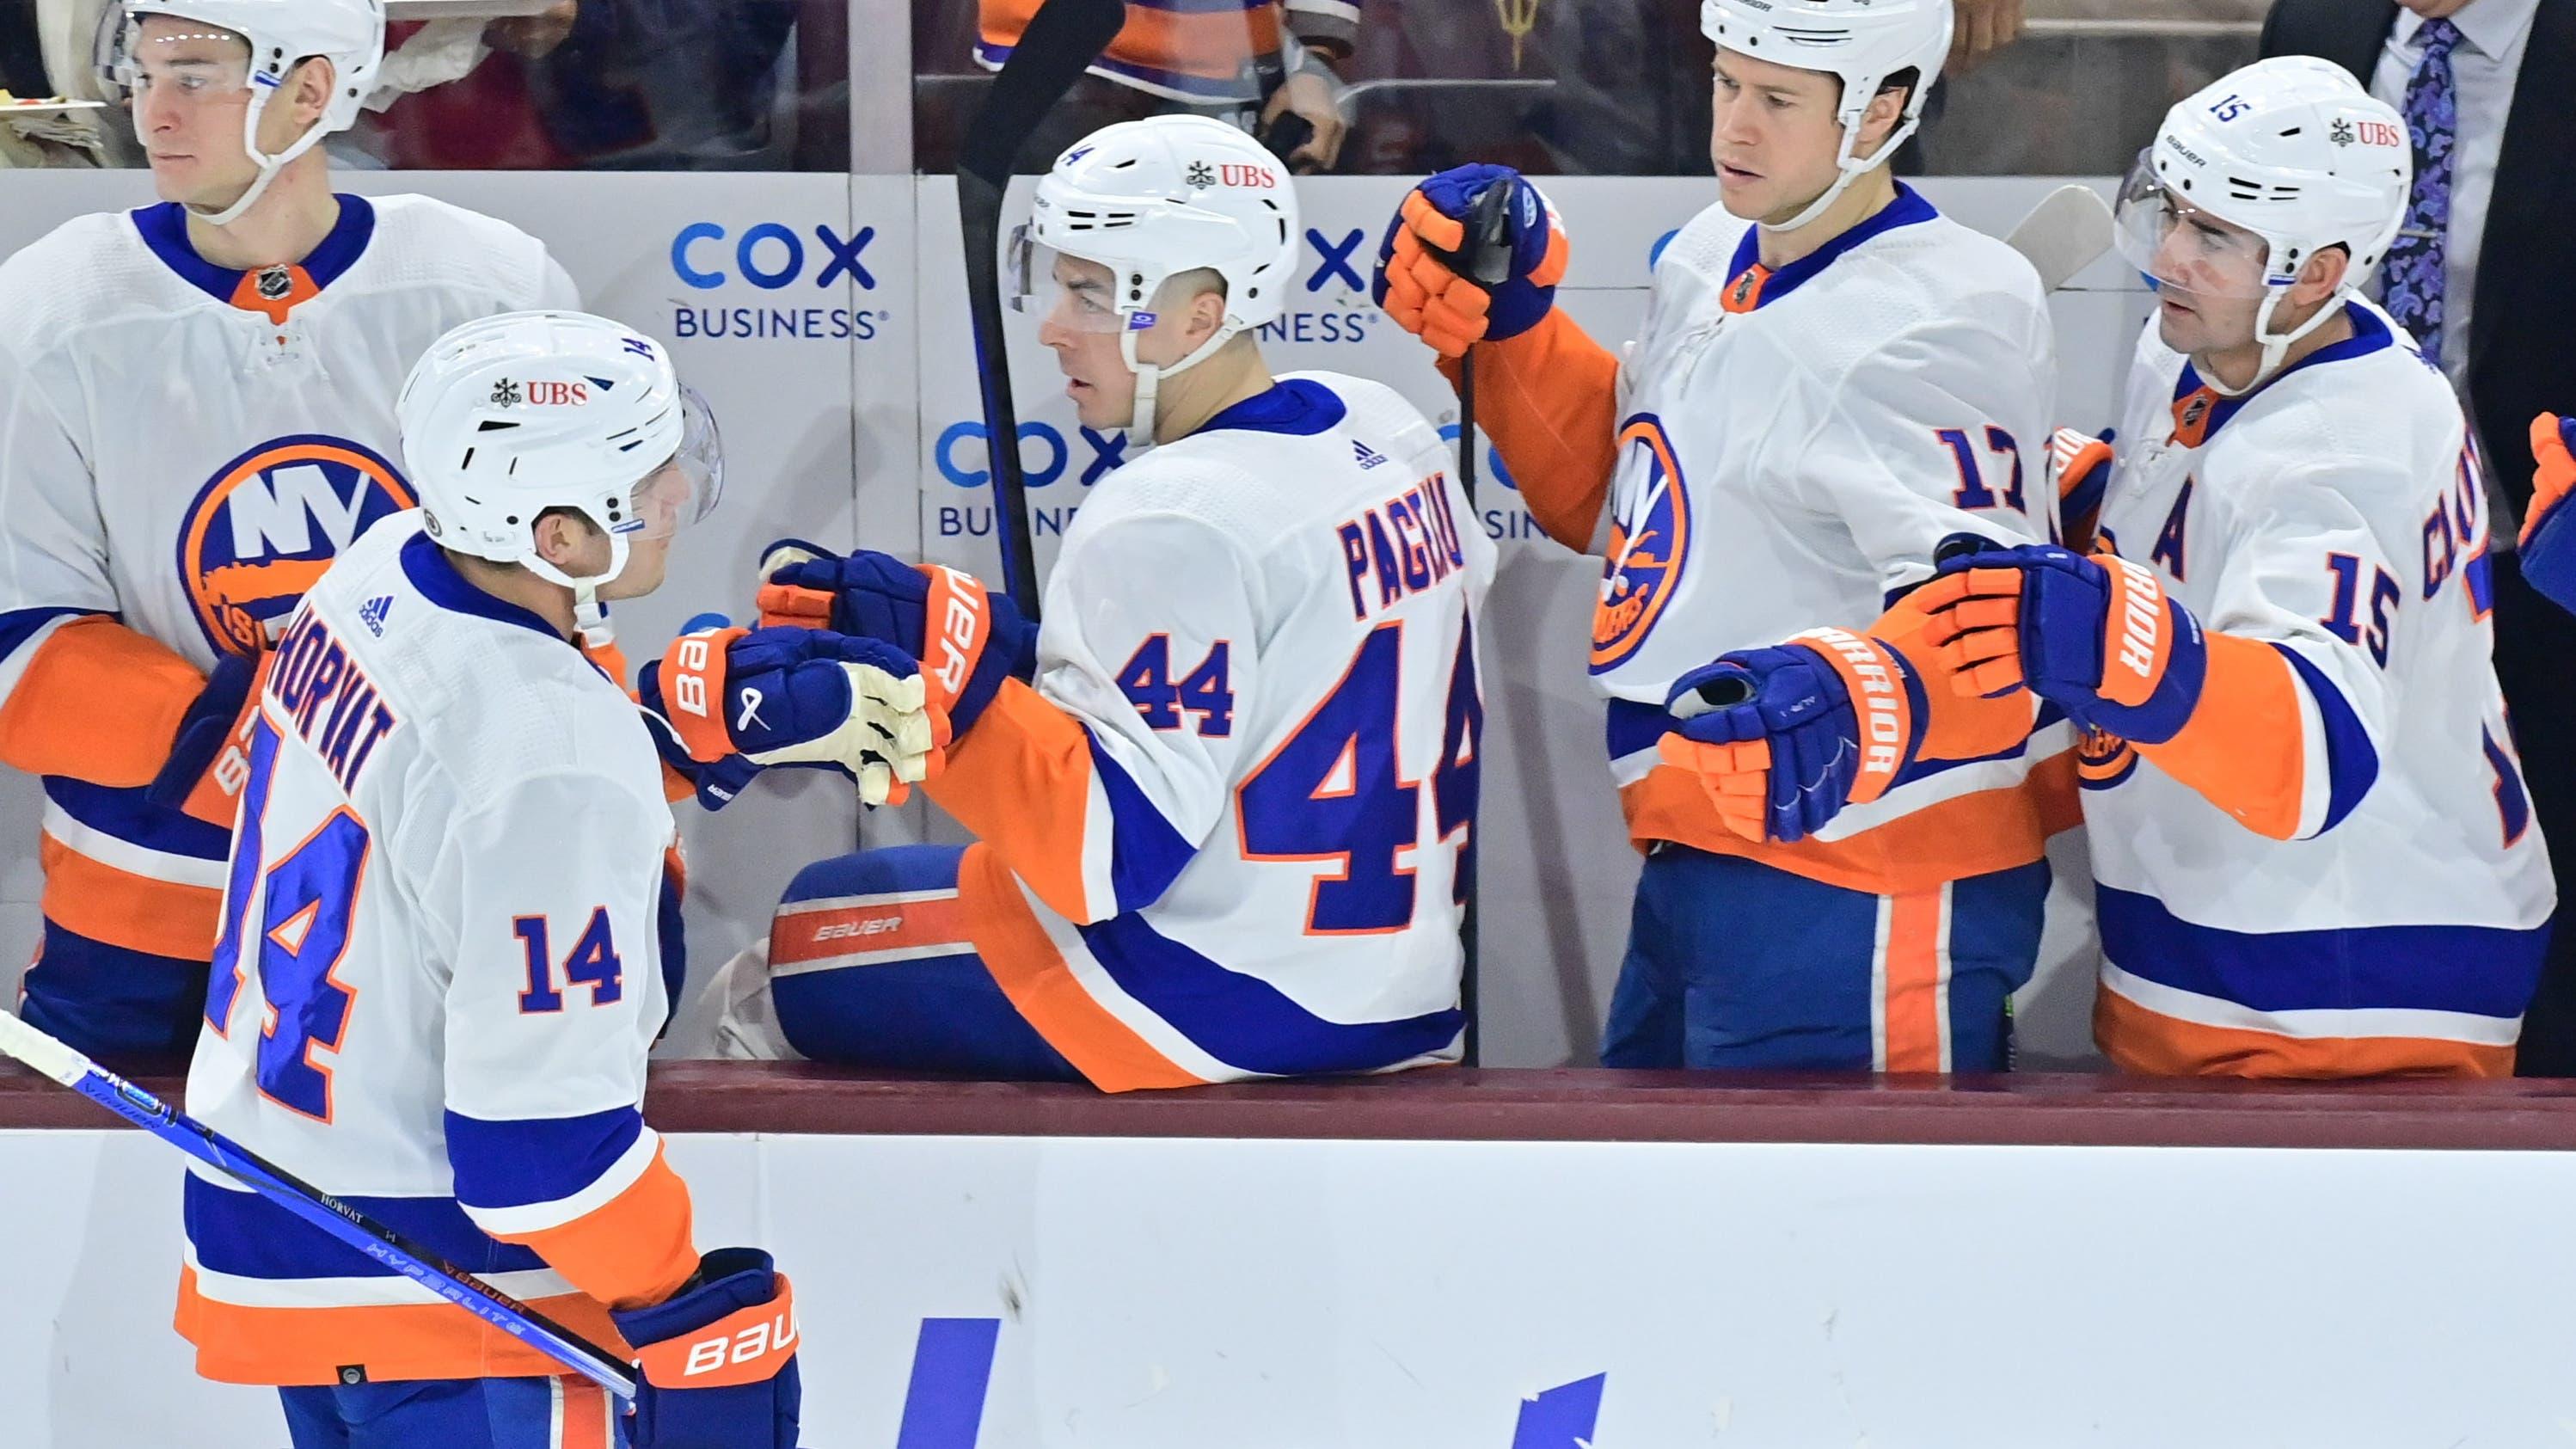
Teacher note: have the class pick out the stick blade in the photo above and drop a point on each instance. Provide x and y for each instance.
(2064, 234)
(1061, 40)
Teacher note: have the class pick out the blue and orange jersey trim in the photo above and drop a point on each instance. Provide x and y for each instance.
(274, 291)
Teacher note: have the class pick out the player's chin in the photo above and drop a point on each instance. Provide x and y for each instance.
(647, 561)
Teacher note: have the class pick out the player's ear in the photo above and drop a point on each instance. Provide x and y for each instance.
(2322, 275)
(310, 96)
(1886, 110)
(563, 535)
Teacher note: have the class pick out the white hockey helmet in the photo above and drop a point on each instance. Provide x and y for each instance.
(506, 417)
(282, 35)
(1863, 42)
(1150, 200)
(2290, 149)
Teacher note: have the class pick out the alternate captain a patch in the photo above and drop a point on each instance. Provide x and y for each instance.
(265, 526)
(1649, 542)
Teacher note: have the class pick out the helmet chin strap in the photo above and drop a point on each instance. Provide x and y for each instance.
(589, 615)
(2277, 345)
(269, 166)
(1849, 168)
(1149, 382)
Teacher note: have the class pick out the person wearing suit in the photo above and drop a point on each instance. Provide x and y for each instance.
(2484, 279)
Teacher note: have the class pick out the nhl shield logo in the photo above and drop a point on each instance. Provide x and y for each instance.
(276, 284)
(1650, 539)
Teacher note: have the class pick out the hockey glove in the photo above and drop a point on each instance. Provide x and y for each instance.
(2081, 465)
(1777, 740)
(210, 758)
(798, 697)
(1420, 280)
(2098, 637)
(968, 640)
(717, 1361)
(2548, 543)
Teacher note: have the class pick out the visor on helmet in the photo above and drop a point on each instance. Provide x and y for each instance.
(2183, 248)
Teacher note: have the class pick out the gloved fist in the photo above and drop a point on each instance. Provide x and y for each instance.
(2549, 552)
(1783, 738)
(718, 1360)
(2080, 465)
(210, 756)
(1422, 273)
(799, 697)
(2097, 636)
(967, 639)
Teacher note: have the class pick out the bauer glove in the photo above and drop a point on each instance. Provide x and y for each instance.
(1421, 276)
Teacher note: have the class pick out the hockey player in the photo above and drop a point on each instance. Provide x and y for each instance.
(1832, 376)
(437, 978)
(195, 415)
(2312, 850)
(2549, 554)
(1219, 824)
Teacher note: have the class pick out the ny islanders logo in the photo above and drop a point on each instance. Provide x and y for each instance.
(269, 522)
(1649, 541)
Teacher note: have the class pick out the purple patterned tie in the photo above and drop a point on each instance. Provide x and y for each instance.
(2412, 286)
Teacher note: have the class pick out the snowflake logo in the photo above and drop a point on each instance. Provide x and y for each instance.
(506, 394)
(2341, 133)
(1202, 175)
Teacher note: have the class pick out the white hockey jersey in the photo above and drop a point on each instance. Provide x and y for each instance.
(438, 977)
(2394, 919)
(1791, 447)
(182, 450)
(1220, 836)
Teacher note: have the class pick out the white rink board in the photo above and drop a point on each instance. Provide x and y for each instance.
(1186, 1294)
(851, 416)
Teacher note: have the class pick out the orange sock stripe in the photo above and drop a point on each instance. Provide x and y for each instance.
(52, 722)
(2244, 749)
(1916, 1018)
(137, 913)
(1033, 974)
(585, 1408)
(636, 1249)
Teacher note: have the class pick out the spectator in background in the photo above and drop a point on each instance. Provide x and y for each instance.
(1251, 64)
(2481, 277)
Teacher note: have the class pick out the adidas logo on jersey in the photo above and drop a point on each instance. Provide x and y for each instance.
(372, 613)
(1369, 457)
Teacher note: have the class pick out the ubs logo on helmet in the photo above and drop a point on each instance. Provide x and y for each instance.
(1649, 543)
(263, 529)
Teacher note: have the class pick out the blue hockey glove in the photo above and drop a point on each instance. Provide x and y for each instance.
(718, 1360)
(1783, 738)
(2098, 636)
(799, 697)
(1420, 279)
(968, 639)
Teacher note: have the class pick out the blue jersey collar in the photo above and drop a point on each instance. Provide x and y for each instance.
(1298, 408)
(1751, 285)
(427, 566)
(2200, 410)
(164, 229)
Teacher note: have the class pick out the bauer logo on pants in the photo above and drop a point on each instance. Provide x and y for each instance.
(1649, 542)
(269, 522)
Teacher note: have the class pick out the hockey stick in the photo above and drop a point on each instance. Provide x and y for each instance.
(2068, 231)
(1489, 262)
(1063, 38)
(341, 1221)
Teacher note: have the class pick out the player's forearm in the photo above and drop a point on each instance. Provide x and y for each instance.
(2250, 749)
(627, 1244)
(96, 701)
(1549, 399)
